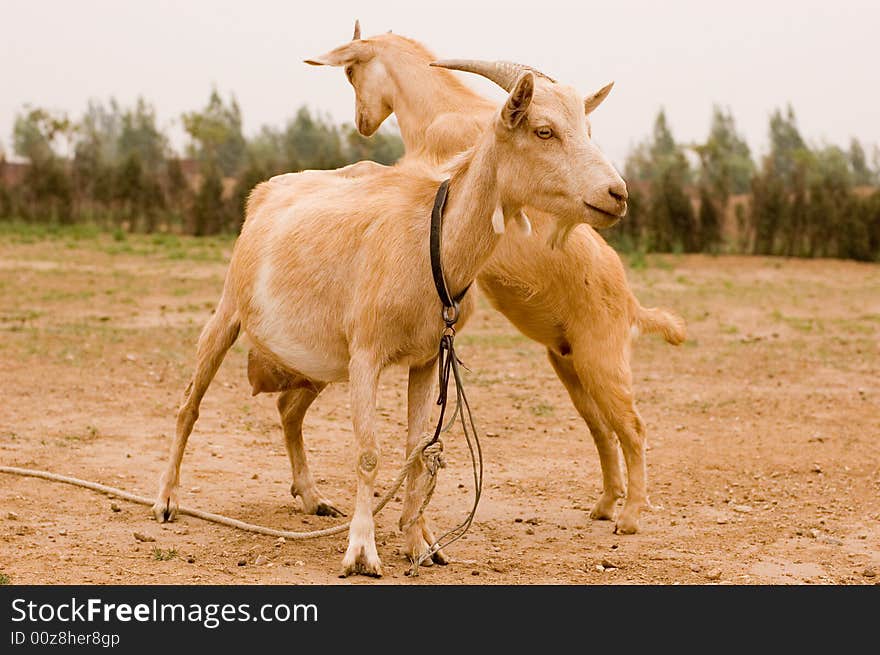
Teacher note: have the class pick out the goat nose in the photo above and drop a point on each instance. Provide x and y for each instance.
(618, 191)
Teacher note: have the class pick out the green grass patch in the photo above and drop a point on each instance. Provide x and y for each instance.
(117, 241)
(20, 316)
(164, 555)
(801, 324)
(4, 579)
(91, 433)
(18, 231)
(58, 295)
(636, 260)
(860, 325)
(542, 409)
(166, 240)
(639, 260)
(663, 262)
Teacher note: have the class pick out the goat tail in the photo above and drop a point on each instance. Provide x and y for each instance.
(660, 321)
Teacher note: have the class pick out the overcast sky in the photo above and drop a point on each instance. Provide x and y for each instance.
(753, 56)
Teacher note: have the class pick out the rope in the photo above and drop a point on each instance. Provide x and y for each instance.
(448, 362)
(426, 448)
(430, 448)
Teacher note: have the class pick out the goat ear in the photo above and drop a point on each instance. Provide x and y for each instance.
(351, 52)
(593, 101)
(517, 106)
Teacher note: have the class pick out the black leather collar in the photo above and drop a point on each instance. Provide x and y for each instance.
(450, 302)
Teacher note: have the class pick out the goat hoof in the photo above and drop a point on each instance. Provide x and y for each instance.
(428, 562)
(312, 503)
(361, 565)
(626, 526)
(326, 509)
(165, 510)
(428, 535)
(603, 510)
(436, 558)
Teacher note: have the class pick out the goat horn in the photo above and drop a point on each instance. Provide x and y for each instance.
(357, 31)
(503, 73)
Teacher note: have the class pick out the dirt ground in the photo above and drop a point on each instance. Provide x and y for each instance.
(764, 432)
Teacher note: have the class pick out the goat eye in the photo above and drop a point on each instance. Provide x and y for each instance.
(544, 132)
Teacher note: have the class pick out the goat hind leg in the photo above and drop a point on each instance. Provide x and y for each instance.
(217, 337)
(611, 388)
(606, 444)
(631, 431)
(292, 406)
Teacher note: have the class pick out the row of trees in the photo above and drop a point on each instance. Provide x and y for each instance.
(114, 165)
(706, 197)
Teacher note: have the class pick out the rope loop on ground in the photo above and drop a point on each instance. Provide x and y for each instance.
(429, 451)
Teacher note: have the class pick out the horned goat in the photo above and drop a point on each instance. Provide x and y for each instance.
(330, 277)
(569, 294)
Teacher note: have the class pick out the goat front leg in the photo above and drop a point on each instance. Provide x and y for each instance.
(361, 556)
(217, 337)
(419, 535)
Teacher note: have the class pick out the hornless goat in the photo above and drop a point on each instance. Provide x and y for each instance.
(331, 276)
(569, 294)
